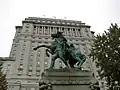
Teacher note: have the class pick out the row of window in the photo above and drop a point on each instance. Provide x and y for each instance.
(58, 22)
(49, 39)
(30, 70)
(50, 30)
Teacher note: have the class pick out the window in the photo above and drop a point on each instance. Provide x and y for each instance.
(13, 55)
(38, 55)
(24, 45)
(38, 62)
(34, 26)
(48, 21)
(30, 68)
(15, 46)
(46, 38)
(31, 56)
(73, 23)
(33, 41)
(68, 23)
(40, 27)
(38, 20)
(19, 31)
(86, 30)
(29, 73)
(58, 22)
(25, 36)
(27, 26)
(38, 68)
(53, 22)
(20, 72)
(8, 66)
(31, 59)
(46, 62)
(46, 27)
(88, 34)
(7, 72)
(17, 41)
(22, 54)
(26, 30)
(21, 66)
(51, 27)
(68, 29)
(77, 24)
(57, 28)
(46, 42)
(21, 59)
(43, 21)
(39, 51)
(33, 37)
(38, 73)
(14, 51)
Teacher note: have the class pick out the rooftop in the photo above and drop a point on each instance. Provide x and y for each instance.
(55, 21)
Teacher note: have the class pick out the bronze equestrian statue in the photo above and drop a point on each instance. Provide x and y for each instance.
(59, 48)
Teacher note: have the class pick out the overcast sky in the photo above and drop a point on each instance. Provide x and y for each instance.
(99, 14)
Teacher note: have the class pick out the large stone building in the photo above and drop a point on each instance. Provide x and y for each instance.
(25, 72)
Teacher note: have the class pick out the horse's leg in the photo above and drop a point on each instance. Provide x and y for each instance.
(66, 62)
(79, 65)
(47, 50)
(62, 57)
(53, 61)
(79, 61)
(83, 59)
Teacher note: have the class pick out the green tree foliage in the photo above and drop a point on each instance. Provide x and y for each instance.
(106, 54)
(3, 82)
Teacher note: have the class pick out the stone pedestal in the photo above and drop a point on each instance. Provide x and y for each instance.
(64, 79)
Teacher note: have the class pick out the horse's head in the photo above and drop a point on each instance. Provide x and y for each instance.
(57, 35)
(54, 36)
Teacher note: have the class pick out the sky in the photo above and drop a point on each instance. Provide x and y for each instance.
(99, 14)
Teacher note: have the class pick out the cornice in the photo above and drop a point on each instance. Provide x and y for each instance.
(18, 27)
(50, 21)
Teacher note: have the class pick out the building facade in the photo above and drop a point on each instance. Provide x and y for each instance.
(24, 73)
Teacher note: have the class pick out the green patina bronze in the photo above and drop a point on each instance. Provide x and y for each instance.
(59, 48)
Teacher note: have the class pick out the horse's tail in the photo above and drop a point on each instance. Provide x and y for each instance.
(42, 46)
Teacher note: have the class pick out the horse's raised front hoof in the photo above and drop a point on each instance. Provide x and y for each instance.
(35, 49)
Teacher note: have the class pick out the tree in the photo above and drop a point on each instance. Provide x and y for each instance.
(3, 82)
(105, 52)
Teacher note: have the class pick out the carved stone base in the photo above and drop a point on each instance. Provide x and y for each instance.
(65, 79)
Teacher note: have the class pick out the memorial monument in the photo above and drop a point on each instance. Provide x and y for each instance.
(72, 77)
